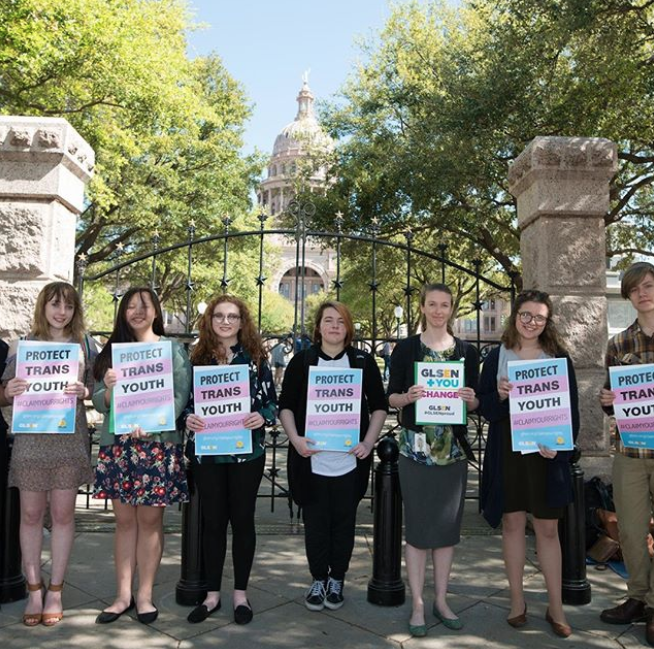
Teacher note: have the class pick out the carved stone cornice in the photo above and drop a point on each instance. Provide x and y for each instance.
(44, 157)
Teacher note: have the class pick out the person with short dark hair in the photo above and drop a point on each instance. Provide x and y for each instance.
(386, 356)
(278, 358)
(514, 484)
(633, 468)
(329, 485)
(433, 458)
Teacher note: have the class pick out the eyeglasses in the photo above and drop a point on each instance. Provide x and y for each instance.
(526, 318)
(231, 318)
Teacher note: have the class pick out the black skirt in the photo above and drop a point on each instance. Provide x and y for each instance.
(525, 480)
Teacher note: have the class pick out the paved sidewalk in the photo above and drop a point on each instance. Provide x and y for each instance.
(276, 591)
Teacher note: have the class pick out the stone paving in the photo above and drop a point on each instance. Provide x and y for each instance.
(279, 579)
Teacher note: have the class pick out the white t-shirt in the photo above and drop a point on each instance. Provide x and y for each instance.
(333, 463)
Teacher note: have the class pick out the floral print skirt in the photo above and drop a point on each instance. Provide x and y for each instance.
(138, 472)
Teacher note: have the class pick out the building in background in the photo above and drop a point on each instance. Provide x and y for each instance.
(292, 167)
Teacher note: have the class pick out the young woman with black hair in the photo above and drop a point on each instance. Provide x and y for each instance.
(140, 472)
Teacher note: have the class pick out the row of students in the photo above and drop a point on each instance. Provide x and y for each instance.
(432, 464)
(141, 473)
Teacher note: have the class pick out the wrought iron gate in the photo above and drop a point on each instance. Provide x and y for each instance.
(120, 275)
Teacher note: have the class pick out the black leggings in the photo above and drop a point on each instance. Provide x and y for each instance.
(228, 493)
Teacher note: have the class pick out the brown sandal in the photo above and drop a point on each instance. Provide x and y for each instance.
(50, 619)
(32, 619)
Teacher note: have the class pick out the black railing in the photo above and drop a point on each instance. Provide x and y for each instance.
(118, 277)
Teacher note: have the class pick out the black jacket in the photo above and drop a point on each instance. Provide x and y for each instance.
(294, 398)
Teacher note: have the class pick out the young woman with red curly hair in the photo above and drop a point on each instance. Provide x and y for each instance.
(228, 484)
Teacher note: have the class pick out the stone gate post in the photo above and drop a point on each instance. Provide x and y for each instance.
(44, 167)
(562, 189)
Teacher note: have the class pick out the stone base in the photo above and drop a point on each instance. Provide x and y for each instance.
(597, 466)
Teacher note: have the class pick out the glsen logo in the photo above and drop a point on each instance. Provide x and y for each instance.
(62, 423)
(559, 440)
(348, 442)
(239, 444)
(162, 421)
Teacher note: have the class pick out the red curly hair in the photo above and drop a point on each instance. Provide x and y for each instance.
(209, 349)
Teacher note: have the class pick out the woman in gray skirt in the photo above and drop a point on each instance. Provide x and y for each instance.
(433, 458)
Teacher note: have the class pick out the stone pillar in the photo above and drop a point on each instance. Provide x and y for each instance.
(44, 167)
(562, 189)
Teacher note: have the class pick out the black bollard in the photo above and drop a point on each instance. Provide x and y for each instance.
(572, 532)
(12, 582)
(386, 587)
(191, 589)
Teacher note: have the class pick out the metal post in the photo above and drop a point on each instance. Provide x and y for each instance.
(386, 587)
(572, 532)
(12, 582)
(191, 589)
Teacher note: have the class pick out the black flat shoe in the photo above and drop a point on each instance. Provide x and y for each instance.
(107, 617)
(243, 614)
(147, 618)
(201, 613)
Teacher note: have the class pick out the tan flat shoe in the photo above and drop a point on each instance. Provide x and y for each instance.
(560, 629)
(519, 620)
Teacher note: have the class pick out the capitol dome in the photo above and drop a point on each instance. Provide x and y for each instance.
(304, 132)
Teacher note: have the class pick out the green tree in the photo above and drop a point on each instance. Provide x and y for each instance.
(208, 274)
(167, 130)
(447, 98)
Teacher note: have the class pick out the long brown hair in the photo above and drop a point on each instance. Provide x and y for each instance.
(66, 293)
(343, 311)
(210, 349)
(548, 339)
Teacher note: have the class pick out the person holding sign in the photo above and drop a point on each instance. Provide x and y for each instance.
(48, 465)
(141, 471)
(433, 457)
(228, 482)
(328, 388)
(513, 482)
(630, 394)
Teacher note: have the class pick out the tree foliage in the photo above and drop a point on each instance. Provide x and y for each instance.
(445, 99)
(182, 284)
(167, 130)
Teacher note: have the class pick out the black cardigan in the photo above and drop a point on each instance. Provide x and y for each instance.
(294, 398)
(559, 481)
(402, 377)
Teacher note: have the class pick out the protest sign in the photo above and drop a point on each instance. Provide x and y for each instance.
(334, 408)
(441, 403)
(143, 395)
(48, 368)
(222, 398)
(634, 404)
(539, 405)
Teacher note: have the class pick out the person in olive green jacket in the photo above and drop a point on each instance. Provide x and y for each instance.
(140, 472)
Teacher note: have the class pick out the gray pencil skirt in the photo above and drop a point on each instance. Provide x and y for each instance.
(433, 499)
